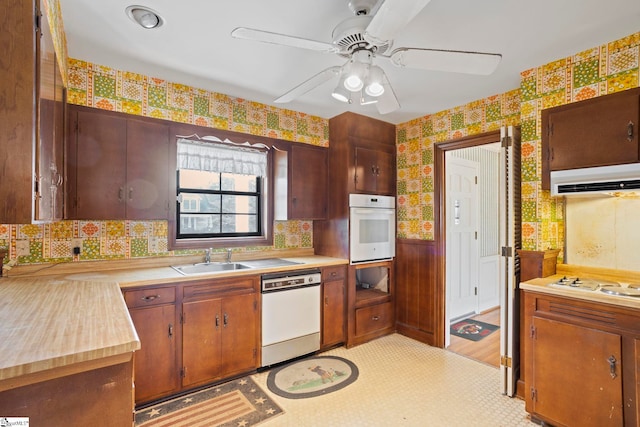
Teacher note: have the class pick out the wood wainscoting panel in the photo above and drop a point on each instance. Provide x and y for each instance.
(418, 312)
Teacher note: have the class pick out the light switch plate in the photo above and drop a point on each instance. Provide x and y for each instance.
(22, 247)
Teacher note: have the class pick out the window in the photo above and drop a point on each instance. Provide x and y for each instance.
(220, 191)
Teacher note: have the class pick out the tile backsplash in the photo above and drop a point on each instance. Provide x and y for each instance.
(110, 240)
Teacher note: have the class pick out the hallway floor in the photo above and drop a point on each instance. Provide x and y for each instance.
(403, 382)
(486, 350)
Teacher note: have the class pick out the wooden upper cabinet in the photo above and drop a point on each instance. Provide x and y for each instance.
(31, 91)
(374, 171)
(601, 131)
(96, 165)
(147, 170)
(308, 182)
(118, 166)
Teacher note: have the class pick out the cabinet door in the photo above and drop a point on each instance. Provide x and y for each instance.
(156, 372)
(577, 374)
(201, 348)
(594, 132)
(333, 320)
(366, 165)
(147, 188)
(385, 171)
(98, 160)
(239, 334)
(308, 182)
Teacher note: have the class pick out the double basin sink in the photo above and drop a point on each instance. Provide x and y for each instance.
(219, 267)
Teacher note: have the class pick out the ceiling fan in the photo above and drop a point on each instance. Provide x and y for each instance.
(362, 38)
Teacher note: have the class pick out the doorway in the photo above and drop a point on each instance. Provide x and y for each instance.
(472, 183)
(508, 238)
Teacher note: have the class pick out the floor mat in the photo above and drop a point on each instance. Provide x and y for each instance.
(312, 377)
(473, 330)
(239, 402)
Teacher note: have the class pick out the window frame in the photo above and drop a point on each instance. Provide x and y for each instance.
(187, 190)
(179, 131)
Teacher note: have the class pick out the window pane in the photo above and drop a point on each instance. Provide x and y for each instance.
(199, 180)
(205, 203)
(239, 223)
(233, 182)
(239, 204)
(199, 224)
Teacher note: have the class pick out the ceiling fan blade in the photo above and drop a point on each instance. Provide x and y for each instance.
(306, 86)
(282, 39)
(455, 61)
(391, 17)
(387, 102)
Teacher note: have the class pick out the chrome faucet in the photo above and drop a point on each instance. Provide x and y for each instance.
(228, 256)
(207, 256)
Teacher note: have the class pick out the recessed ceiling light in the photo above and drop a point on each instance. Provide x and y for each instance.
(144, 16)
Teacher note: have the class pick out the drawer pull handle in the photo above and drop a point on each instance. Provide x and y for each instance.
(630, 132)
(226, 320)
(612, 366)
(150, 297)
(376, 318)
(334, 274)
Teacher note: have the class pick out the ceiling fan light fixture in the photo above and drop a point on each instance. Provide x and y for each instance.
(340, 92)
(374, 81)
(145, 17)
(353, 76)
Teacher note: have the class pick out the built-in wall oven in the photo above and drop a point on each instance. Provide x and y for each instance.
(372, 228)
(290, 315)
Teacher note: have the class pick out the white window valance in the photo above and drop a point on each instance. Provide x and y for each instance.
(221, 156)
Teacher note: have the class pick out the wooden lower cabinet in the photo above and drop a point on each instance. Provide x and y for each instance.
(193, 333)
(581, 362)
(155, 373)
(218, 338)
(333, 306)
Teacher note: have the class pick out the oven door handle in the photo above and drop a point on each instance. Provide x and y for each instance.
(373, 211)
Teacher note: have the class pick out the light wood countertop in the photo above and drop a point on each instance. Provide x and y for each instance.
(61, 319)
(51, 327)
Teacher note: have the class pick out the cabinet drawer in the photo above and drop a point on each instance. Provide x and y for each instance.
(221, 287)
(333, 273)
(374, 318)
(151, 296)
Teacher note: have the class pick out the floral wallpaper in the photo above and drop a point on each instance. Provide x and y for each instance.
(102, 87)
(604, 69)
(415, 161)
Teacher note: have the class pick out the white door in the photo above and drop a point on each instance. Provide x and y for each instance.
(509, 266)
(462, 243)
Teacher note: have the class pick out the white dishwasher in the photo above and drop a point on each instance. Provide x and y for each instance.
(290, 315)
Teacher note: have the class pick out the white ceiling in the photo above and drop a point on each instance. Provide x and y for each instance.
(194, 46)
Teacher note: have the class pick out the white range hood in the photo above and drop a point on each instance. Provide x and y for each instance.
(597, 181)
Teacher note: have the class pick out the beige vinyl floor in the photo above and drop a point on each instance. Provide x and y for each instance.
(403, 382)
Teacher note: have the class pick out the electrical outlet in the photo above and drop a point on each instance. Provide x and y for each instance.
(22, 247)
(76, 243)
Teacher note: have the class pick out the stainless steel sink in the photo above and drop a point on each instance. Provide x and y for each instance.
(208, 268)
